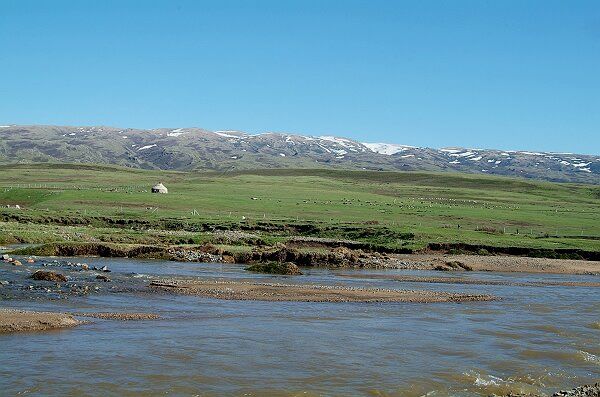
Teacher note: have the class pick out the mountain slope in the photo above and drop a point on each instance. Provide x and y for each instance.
(196, 148)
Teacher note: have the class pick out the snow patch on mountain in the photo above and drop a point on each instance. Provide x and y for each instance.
(176, 132)
(324, 148)
(339, 141)
(464, 154)
(581, 165)
(532, 153)
(386, 148)
(339, 152)
(451, 150)
(226, 134)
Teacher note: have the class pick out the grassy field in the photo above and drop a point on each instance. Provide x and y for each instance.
(395, 209)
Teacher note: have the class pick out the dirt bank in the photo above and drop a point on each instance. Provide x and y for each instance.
(96, 249)
(21, 320)
(554, 253)
(245, 290)
(339, 257)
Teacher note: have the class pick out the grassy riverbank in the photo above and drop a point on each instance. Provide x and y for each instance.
(395, 211)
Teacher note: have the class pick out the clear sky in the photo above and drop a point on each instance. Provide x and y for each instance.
(487, 74)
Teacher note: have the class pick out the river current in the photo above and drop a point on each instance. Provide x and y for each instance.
(534, 339)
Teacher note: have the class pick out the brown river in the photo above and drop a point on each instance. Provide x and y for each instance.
(534, 339)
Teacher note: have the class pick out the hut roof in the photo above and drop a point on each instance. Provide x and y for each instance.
(159, 188)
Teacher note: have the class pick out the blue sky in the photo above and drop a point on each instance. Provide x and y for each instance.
(487, 74)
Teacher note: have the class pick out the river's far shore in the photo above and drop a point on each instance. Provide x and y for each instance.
(311, 255)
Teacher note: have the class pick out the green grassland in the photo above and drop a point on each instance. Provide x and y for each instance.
(59, 202)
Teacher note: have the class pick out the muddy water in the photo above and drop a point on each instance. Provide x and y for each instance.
(536, 339)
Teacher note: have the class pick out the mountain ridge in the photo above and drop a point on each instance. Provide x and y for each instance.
(202, 149)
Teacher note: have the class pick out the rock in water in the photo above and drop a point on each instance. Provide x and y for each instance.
(582, 391)
(103, 278)
(48, 276)
(285, 268)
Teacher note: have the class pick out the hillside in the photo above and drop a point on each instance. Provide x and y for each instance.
(395, 209)
(199, 149)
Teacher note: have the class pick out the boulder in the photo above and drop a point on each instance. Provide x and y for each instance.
(228, 259)
(458, 265)
(285, 268)
(581, 391)
(452, 265)
(43, 275)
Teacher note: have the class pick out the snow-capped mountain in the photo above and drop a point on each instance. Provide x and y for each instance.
(196, 148)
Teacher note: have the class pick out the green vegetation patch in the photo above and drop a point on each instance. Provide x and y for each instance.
(380, 210)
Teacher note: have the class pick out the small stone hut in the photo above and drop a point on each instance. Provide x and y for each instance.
(160, 188)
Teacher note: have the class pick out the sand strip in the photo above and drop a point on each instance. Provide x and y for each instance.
(22, 320)
(118, 316)
(464, 280)
(244, 290)
(500, 263)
